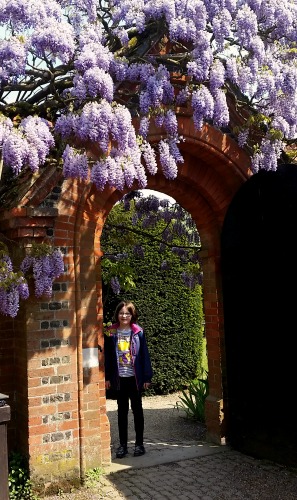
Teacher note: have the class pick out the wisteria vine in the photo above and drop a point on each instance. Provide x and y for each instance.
(13, 286)
(45, 264)
(75, 73)
(139, 214)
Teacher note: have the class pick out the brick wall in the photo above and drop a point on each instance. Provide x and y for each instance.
(58, 392)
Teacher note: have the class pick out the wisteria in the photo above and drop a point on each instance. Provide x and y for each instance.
(29, 144)
(192, 279)
(168, 224)
(75, 73)
(167, 160)
(115, 285)
(13, 285)
(75, 164)
(45, 264)
(138, 250)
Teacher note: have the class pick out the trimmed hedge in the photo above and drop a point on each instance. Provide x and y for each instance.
(170, 313)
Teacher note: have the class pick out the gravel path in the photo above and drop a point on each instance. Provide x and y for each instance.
(163, 421)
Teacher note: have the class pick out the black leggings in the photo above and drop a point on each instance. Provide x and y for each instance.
(128, 390)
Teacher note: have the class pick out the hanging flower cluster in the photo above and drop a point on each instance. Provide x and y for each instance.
(191, 279)
(13, 286)
(29, 144)
(46, 264)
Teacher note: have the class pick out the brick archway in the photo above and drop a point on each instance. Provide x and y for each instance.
(204, 189)
(67, 424)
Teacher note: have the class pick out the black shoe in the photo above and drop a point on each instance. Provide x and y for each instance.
(139, 450)
(121, 451)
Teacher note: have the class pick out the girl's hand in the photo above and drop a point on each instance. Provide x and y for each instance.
(146, 385)
(107, 384)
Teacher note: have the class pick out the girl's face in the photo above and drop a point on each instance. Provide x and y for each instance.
(124, 317)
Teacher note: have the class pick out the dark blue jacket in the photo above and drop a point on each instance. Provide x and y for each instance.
(139, 355)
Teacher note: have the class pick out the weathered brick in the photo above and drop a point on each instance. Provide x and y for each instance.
(55, 342)
(55, 324)
(57, 436)
(53, 306)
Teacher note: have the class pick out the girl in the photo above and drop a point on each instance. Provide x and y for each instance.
(128, 370)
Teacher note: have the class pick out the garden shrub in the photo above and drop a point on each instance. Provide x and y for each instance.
(170, 313)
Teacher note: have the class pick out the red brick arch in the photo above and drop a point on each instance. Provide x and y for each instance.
(213, 170)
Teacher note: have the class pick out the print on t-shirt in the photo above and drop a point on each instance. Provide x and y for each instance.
(124, 355)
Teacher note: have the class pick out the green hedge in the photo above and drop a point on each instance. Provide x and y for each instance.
(170, 313)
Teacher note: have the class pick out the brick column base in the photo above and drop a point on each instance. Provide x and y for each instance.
(215, 420)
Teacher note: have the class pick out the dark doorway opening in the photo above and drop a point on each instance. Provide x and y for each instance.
(259, 272)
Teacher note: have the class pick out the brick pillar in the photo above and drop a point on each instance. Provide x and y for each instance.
(52, 386)
(68, 430)
(213, 308)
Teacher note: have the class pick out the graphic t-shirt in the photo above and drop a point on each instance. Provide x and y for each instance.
(123, 353)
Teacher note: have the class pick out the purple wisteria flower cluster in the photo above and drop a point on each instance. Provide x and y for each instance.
(192, 279)
(92, 70)
(46, 265)
(13, 286)
(170, 226)
(45, 268)
(27, 145)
